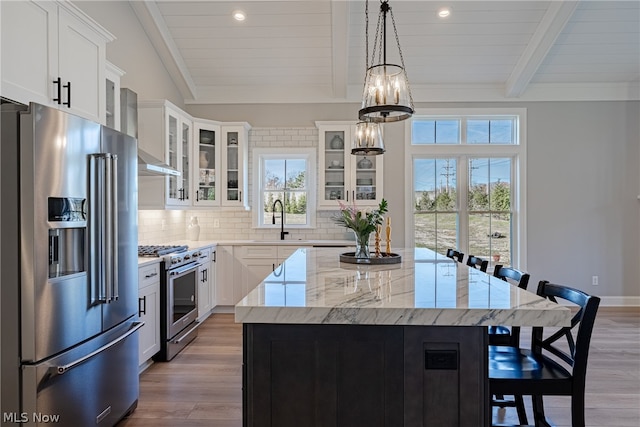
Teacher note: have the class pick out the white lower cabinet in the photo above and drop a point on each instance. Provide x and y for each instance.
(260, 261)
(149, 311)
(206, 280)
(225, 293)
(241, 268)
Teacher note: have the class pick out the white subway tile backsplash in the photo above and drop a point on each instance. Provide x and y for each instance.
(238, 225)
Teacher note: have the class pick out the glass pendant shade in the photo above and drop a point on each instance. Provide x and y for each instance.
(386, 96)
(368, 139)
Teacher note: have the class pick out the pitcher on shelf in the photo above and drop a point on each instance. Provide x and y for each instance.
(204, 160)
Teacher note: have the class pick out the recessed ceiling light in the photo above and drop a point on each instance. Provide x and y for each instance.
(444, 12)
(239, 15)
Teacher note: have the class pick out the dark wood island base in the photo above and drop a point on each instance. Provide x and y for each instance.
(364, 375)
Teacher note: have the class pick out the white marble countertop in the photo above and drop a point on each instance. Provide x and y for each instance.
(146, 261)
(313, 286)
(195, 244)
(202, 243)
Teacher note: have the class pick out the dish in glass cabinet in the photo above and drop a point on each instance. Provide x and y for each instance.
(205, 140)
(335, 183)
(365, 163)
(337, 143)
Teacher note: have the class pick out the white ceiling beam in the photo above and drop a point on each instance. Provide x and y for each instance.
(550, 27)
(339, 47)
(156, 29)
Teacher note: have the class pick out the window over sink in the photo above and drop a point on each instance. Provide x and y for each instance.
(288, 176)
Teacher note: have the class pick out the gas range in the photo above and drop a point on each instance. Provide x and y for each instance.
(160, 250)
(173, 256)
(179, 259)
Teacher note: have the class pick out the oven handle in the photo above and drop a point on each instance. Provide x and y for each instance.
(186, 334)
(182, 270)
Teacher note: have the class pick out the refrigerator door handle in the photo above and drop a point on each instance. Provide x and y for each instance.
(111, 225)
(62, 369)
(103, 227)
(96, 229)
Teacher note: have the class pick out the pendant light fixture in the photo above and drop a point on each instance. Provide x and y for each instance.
(387, 96)
(368, 139)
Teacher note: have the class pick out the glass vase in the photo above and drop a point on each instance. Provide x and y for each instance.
(362, 245)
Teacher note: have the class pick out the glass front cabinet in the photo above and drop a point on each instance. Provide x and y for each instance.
(178, 155)
(343, 176)
(166, 132)
(112, 96)
(235, 164)
(206, 178)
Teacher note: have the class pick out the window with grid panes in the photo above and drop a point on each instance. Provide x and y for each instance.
(466, 186)
(287, 177)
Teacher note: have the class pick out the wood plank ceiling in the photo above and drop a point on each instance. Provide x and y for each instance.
(300, 51)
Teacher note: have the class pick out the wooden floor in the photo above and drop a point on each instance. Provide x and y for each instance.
(202, 386)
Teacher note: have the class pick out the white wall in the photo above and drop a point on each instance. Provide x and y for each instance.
(582, 195)
(132, 51)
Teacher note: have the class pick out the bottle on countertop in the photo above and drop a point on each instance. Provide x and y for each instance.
(193, 229)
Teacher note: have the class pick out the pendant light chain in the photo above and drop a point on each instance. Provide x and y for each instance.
(395, 31)
(368, 134)
(366, 38)
(379, 39)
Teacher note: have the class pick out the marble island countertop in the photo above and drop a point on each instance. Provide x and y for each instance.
(313, 287)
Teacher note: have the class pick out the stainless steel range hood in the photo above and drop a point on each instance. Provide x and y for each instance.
(148, 165)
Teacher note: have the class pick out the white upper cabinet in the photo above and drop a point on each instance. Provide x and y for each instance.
(112, 95)
(165, 131)
(178, 138)
(235, 164)
(212, 157)
(54, 54)
(221, 163)
(206, 153)
(343, 176)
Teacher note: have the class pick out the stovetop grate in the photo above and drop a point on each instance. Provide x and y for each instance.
(160, 250)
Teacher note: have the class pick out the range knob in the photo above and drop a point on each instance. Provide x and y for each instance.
(175, 260)
(187, 256)
(196, 254)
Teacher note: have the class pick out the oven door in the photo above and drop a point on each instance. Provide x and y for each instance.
(182, 298)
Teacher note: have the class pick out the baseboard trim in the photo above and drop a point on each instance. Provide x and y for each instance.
(620, 301)
(223, 309)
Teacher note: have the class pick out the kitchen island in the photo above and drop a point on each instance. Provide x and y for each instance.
(334, 344)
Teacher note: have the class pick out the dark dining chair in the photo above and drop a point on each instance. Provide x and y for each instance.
(477, 262)
(455, 255)
(502, 335)
(553, 366)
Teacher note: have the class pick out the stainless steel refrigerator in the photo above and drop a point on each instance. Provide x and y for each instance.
(69, 269)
